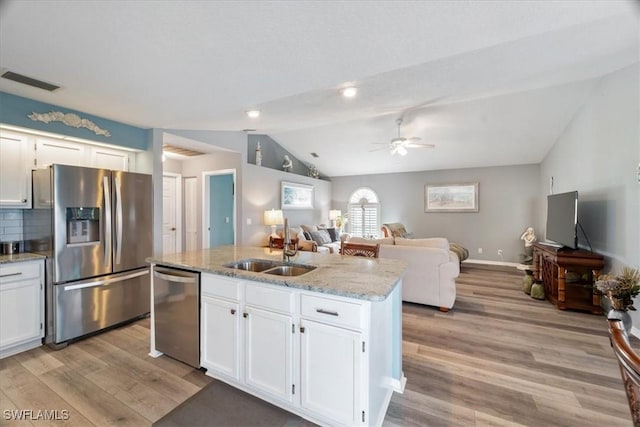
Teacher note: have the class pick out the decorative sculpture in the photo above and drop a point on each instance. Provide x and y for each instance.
(68, 119)
(529, 236)
(287, 164)
(258, 154)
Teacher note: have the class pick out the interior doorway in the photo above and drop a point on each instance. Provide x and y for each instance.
(219, 208)
(171, 213)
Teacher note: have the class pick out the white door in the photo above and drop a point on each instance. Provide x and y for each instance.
(50, 151)
(269, 352)
(16, 152)
(219, 325)
(330, 363)
(108, 158)
(171, 236)
(190, 213)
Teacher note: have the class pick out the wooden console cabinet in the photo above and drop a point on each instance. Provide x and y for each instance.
(568, 276)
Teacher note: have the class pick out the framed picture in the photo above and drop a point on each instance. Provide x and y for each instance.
(451, 197)
(296, 196)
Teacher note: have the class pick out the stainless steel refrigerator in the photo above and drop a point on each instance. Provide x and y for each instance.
(95, 227)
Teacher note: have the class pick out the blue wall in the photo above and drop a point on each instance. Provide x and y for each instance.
(14, 110)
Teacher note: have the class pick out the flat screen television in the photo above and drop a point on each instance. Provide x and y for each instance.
(562, 219)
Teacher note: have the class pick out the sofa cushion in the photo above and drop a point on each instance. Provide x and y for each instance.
(309, 228)
(382, 241)
(321, 237)
(433, 242)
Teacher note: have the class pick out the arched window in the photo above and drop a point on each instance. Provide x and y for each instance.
(364, 213)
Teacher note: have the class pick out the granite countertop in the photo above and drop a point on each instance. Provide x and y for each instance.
(23, 256)
(354, 277)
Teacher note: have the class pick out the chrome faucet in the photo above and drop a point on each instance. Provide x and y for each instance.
(288, 249)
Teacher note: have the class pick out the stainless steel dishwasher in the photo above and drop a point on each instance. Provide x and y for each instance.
(176, 297)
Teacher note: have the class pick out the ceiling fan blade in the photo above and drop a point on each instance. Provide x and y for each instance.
(414, 138)
(412, 145)
(378, 149)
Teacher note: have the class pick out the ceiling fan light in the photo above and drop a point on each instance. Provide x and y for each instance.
(401, 150)
(253, 114)
(349, 92)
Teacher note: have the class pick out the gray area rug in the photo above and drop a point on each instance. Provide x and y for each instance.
(219, 404)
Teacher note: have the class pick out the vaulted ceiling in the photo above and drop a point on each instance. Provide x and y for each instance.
(488, 82)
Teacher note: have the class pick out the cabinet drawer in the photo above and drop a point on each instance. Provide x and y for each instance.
(219, 286)
(268, 297)
(332, 311)
(19, 271)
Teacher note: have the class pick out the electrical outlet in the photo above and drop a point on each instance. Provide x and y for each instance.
(479, 250)
(500, 253)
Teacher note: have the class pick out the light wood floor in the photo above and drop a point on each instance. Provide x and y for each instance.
(498, 358)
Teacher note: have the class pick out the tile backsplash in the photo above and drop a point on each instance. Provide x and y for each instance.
(11, 225)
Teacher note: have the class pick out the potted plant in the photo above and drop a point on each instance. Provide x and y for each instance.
(618, 292)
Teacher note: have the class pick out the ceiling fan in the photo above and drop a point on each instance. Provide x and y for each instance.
(399, 144)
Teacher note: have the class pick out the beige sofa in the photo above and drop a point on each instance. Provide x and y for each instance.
(433, 268)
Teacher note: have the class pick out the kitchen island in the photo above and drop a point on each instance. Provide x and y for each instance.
(326, 344)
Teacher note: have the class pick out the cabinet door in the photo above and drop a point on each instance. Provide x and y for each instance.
(16, 156)
(219, 336)
(269, 352)
(20, 304)
(330, 377)
(49, 151)
(108, 158)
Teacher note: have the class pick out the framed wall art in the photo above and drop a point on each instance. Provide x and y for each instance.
(296, 196)
(451, 197)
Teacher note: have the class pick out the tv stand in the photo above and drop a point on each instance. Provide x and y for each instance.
(568, 276)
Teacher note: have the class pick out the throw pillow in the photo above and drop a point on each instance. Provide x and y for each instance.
(309, 228)
(321, 237)
(307, 235)
(334, 234)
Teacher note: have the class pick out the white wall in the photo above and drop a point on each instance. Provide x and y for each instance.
(598, 155)
(508, 197)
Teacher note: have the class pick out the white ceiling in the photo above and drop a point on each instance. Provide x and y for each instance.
(489, 82)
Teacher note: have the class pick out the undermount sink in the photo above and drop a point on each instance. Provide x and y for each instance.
(290, 270)
(267, 266)
(255, 265)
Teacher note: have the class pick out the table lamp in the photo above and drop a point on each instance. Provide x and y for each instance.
(273, 218)
(334, 214)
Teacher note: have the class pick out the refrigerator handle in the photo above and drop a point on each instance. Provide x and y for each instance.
(107, 221)
(118, 239)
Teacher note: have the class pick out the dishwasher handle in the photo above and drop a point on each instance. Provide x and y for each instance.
(174, 278)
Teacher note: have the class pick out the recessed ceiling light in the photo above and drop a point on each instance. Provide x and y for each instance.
(253, 113)
(349, 92)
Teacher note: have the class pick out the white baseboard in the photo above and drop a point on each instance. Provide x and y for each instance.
(485, 262)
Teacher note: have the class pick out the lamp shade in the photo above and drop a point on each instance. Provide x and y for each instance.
(334, 214)
(273, 217)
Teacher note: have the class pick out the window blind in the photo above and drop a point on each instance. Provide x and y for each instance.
(364, 220)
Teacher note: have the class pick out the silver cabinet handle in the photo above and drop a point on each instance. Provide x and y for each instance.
(104, 282)
(330, 313)
(118, 239)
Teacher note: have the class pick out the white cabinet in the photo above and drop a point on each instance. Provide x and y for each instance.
(269, 352)
(330, 377)
(50, 151)
(21, 306)
(16, 158)
(309, 353)
(220, 325)
(109, 158)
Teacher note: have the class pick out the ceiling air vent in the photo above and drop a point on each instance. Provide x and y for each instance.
(10, 75)
(314, 155)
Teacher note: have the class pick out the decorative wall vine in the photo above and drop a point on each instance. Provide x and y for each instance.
(68, 119)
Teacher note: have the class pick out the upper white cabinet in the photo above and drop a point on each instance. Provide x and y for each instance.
(21, 306)
(109, 158)
(16, 160)
(50, 151)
